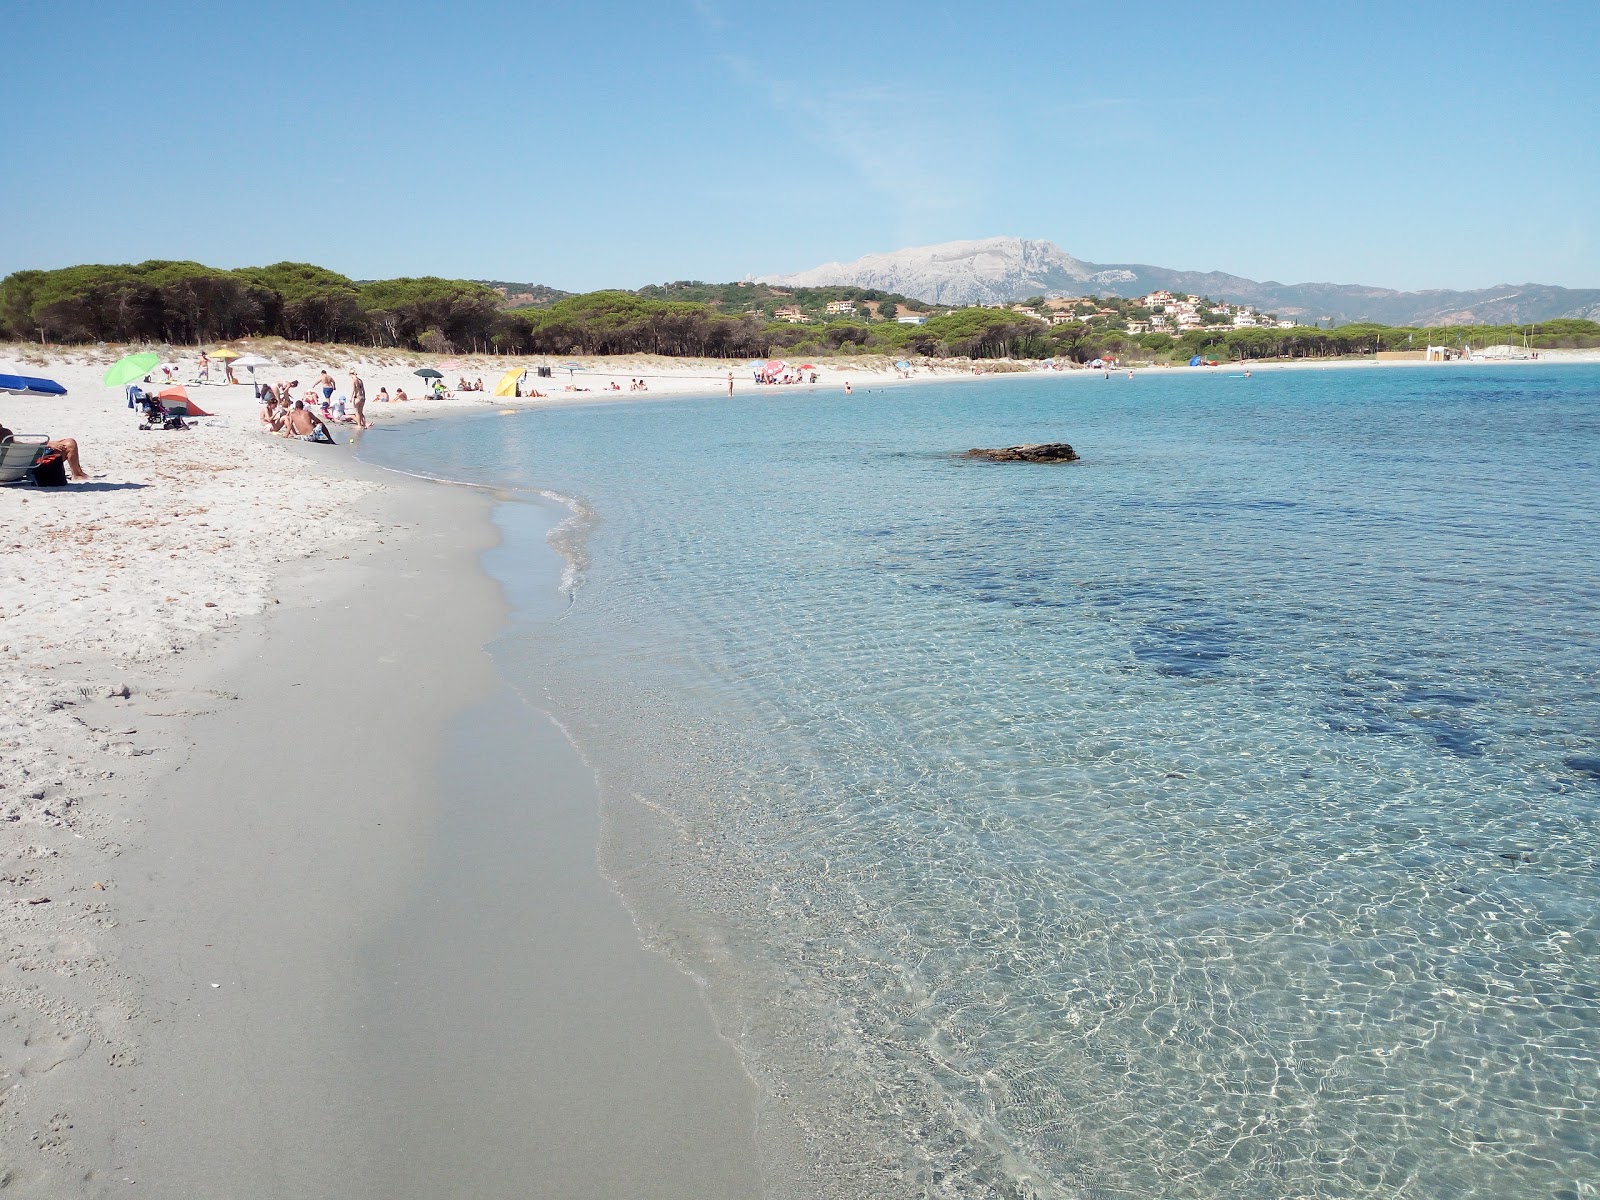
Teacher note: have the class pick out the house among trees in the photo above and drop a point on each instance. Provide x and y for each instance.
(792, 314)
(841, 308)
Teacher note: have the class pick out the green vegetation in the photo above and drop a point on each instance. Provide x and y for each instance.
(186, 303)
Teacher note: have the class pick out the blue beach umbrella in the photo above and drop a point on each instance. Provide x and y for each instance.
(30, 385)
(903, 365)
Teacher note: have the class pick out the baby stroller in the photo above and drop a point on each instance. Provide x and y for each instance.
(152, 413)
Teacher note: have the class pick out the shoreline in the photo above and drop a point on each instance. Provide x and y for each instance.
(213, 850)
(198, 546)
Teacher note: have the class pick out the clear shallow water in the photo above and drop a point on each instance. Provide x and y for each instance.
(1216, 816)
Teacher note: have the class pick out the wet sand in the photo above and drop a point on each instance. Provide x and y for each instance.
(375, 953)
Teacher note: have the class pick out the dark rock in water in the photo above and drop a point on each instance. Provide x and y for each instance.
(1036, 452)
(1585, 765)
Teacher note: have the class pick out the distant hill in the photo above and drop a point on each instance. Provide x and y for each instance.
(525, 295)
(1005, 270)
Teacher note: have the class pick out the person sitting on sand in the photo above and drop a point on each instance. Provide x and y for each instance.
(462, 385)
(304, 424)
(478, 386)
(400, 396)
(66, 447)
(438, 389)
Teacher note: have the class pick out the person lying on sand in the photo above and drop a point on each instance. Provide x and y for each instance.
(66, 447)
(304, 424)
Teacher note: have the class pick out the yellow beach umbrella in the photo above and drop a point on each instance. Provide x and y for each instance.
(225, 354)
(508, 382)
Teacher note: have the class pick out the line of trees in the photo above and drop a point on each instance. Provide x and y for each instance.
(186, 303)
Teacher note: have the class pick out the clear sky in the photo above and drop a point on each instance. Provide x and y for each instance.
(596, 144)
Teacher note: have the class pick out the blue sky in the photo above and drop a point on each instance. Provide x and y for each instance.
(603, 144)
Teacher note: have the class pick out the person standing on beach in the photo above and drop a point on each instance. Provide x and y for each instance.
(205, 367)
(730, 385)
(326, 384)
(358, 399)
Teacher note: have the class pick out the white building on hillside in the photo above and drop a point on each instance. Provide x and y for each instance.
(912, 319)
(841, 308)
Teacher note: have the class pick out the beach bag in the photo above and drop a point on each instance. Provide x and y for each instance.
(51, 470)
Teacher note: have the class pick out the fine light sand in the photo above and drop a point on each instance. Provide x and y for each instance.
(313, 909)
(297, 900)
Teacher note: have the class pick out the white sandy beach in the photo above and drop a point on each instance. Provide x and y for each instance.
(221, 778)
(209, 653)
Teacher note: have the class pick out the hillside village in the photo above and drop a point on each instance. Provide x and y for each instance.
(1159, 311)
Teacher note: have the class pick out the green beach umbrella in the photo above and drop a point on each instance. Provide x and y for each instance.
(134, 366)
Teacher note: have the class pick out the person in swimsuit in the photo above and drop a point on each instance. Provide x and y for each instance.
(304, 424)
(358, 399)
(66, 447)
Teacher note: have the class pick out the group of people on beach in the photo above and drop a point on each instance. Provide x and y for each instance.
(797, 375)
(306, 416)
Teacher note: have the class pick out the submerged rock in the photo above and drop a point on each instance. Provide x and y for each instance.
(1035, 452)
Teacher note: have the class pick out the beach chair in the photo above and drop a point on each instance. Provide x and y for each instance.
(19, 454)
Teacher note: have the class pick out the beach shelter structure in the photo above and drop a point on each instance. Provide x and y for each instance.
(130, 367)
(225, 355)
(30, 385)
(1197, 361)
(428, 373)
(176, 397)
(508, 382)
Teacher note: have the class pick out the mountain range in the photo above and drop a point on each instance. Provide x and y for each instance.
(1001, 270)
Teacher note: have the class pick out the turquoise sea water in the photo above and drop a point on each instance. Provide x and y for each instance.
(1213, 817)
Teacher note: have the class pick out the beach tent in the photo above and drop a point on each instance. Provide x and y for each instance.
(508, 382)
(1196, 361)
(176, 398)
(30, 385)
